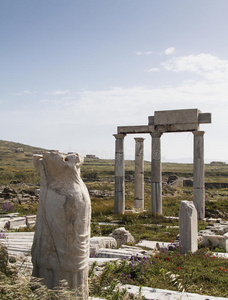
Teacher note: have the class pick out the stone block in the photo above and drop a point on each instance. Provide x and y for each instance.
(98, 242)
(113, 253)
(122, 236)
(17, 222)
(176, 120)
(31, 224)
(182, 116)
(188, 227)
(204, 118)
(216, 241)
(226, 238)
(153, 245)
(149, 293)
(125, 252)
(30, 218)
(3, 221)
(151, 120)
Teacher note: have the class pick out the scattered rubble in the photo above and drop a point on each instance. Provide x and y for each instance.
(122, 236)
(215, 234)
(101, 193)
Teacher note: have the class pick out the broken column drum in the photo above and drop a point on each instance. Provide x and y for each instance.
(61, 242)
(139, 174)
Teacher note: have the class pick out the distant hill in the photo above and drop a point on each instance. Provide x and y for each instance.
(16, 156)
(12, 146)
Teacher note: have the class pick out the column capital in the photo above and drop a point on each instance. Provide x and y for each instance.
(119, 135)
(139, 139)
(198, 132)
(156, 134)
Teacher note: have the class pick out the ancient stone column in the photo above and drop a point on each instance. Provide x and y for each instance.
(198, 174)
(156, 174)
(119, 202)
(188, 227)
(139, 174)
(62, 236)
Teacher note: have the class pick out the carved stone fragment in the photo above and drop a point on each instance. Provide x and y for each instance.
(61, 242)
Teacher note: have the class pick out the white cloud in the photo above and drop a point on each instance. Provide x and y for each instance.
(27, 92)
(169, 51)
(60, 92)
(144, 53)
(95, 115)
(208, 66)
(86, 119)
(154, 70)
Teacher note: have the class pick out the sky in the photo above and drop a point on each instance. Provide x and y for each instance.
(71, 71)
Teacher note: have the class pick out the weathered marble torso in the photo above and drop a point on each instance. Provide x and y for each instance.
(61, 242)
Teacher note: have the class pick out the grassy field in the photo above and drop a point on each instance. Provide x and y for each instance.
(200, 273)
(98, 174)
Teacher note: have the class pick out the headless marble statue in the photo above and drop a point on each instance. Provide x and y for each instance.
(61, 242)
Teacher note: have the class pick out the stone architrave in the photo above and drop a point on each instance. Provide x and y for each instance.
(62, 235)
(156, 175)
(139, 174)
(119, 202)
(188, 227)
(198, 174)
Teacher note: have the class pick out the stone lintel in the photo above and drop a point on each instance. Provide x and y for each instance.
(135, 129)
(204, 118)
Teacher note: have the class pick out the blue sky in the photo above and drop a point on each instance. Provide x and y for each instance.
(71, 71)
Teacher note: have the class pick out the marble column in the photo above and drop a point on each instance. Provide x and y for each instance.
(156, 174)
(198, 174)
(119, 202)
(139, 174)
